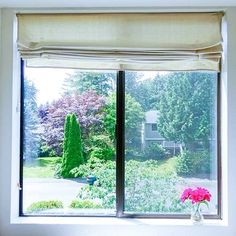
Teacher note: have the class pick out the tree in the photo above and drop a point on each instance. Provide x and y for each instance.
(134, 116)
(185, 107)
(140, 90)
(72, 149)
(145, 92)
(81, 82)
(31, 122)
(88, 107)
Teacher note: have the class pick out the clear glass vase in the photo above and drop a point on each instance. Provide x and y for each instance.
(196, 215)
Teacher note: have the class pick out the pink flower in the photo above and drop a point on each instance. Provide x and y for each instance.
(197, 195)
(186, 194)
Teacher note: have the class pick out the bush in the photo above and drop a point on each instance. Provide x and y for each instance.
(155, 151)
(92, 166)
(102, 147)
(84, 204)
(147, 188)
(194, 164)
(44, 205)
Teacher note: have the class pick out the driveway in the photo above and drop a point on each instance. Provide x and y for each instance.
(64, 190)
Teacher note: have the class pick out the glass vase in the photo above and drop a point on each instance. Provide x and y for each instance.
(196, 215)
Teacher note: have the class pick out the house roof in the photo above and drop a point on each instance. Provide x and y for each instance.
(151, 116)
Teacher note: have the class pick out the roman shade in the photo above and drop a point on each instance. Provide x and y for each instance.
(122, 41)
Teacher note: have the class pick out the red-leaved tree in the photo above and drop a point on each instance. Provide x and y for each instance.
(88, 107)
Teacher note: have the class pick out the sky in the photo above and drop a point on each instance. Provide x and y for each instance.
(49, 82)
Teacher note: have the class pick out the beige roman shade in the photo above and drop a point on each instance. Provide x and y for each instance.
(122, 41)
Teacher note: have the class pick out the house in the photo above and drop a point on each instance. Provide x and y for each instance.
(13, 225)
(150, 134)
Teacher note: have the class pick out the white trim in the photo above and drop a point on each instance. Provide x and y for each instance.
(115, 3)
(104, 221)
(9, 160)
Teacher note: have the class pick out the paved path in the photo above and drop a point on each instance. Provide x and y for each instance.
(35, 190)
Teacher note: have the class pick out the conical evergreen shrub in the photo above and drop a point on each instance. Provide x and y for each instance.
(72, 146)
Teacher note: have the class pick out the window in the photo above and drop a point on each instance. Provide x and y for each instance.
(69, 142)
(90, 105)
(154, 127)
(69, 173)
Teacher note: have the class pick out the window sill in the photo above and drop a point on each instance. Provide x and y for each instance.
(114, 221)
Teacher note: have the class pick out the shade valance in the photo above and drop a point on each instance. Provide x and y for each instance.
(131, 41)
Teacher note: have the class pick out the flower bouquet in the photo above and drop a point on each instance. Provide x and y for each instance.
(197, 197)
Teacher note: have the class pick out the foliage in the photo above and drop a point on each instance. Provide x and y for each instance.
(97, 116)
(145, 92)
(194, 164)
(103, 190)
(185, 107)
(43, 167)
(72, 149)
(31, 122)
(82, 81)
(88, 107)
(155, 151)
(84, 204)
(109, 121)
(102, 147)
(44, 205)
(134, 117)
(148, 189)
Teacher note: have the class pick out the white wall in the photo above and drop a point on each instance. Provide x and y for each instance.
(9, 130)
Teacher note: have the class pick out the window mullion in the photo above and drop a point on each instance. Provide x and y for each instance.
(120, 143)
(22, 111)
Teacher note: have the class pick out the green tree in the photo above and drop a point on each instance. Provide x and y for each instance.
(145, 91)
(31, 122)
(134, 116)
(186, 107)
(140, 90)
(82, 82)
(72, 148)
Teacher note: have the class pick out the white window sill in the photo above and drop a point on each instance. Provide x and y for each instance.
(114, 221)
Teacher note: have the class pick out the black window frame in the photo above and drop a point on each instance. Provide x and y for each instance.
(120, 158)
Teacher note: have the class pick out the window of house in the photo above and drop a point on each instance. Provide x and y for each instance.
(154, 127)
(85, 146)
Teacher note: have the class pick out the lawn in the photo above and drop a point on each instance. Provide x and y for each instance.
(167, 166)
(43, 167)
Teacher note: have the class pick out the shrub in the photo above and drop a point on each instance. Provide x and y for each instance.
(44, 205)
(72, 148)
(155, 151)
(90, 168)
(104, 187)
(194, 164)
(102, 147)
(84, 204)
(147, 188)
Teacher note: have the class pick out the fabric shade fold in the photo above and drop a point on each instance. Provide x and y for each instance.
(131, 41)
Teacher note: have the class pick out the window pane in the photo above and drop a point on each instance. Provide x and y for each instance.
(68, 145)
(171, 140)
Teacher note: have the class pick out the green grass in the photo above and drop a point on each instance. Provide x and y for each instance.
(43, 167)
(167, 166)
